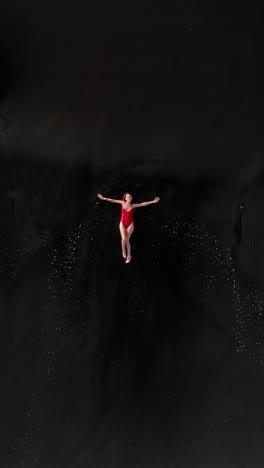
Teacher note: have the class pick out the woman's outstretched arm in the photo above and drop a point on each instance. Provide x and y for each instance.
(146, 203)
(112, 200)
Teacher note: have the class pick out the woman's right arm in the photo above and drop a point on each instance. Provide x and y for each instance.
(112, 200)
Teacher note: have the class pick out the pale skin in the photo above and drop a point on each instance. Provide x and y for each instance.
(127, 232)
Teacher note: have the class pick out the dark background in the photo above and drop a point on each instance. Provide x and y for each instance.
(158, 363)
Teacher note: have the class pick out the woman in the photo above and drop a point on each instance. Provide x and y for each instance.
(126, 225)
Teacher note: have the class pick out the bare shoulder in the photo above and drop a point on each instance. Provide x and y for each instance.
(120, 202)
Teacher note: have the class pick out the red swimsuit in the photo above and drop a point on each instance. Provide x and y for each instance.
(127, 217)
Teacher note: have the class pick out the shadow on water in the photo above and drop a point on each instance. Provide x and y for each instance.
(141, 309)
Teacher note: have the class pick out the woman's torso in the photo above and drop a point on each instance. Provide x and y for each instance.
(127, 215)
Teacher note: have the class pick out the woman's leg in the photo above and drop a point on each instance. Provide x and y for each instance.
(123, 233)
(130, 230)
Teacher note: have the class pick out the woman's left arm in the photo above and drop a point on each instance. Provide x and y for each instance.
(146, 203)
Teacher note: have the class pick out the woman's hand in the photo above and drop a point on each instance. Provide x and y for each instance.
(100, 196)
(156, 199)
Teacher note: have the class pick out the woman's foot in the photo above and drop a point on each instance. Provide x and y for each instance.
(128, 259)
(124, 254)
